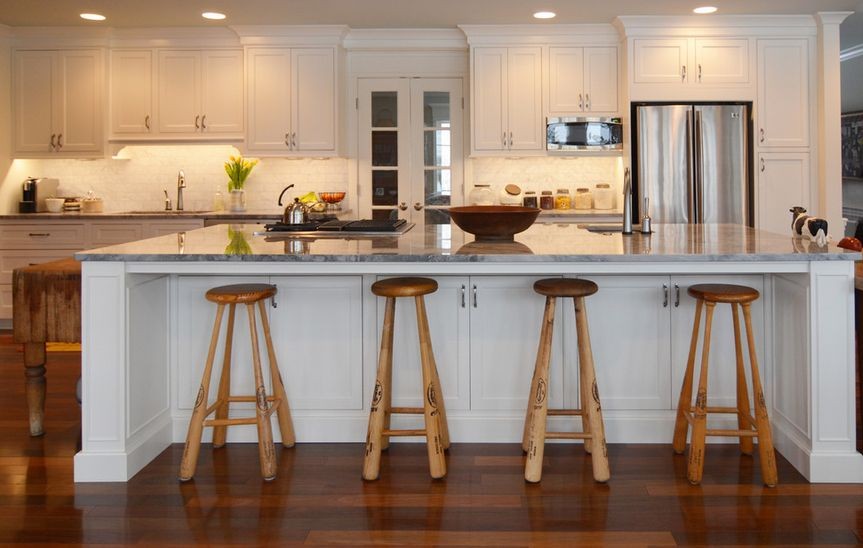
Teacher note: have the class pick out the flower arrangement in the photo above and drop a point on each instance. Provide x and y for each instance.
(238, 170)
(238, 244)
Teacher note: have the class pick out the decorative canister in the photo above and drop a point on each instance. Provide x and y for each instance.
(546, 200)
(481, 195)
(603, 196)
(583, 198)
(529, 199)
(562, 200)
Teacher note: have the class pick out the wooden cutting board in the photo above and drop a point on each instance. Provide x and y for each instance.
(46, 303)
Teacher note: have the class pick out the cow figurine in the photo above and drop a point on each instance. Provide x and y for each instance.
(807, 226)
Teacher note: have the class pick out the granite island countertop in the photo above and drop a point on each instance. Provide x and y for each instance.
(448, 244)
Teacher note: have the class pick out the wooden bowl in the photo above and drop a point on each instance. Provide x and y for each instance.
(493, 223)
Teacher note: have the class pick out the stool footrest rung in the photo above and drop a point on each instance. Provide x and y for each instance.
(241, 399)
(569, 435)
(406, 410)
(726, 410)
(565, 412)
(230, 422)
(398, 433)
(732, 433)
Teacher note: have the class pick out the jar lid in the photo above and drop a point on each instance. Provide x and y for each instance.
(526, 192)
(603, 185)
(512, 190)
(563, 191)
(546, 193)
(580, 190)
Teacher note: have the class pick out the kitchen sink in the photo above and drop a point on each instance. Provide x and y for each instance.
(603, 227)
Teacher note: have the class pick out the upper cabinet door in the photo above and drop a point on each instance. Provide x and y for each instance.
(80, 124)
(313, 99)
(600, 80)
(783, 182)
(269, 105)
(661, 61)
(524, 99)
(490, 99)
(566, 80)
(783, 93)
(721, 61)
(179, 91)
(222, 92)
(34, 107)
(132, 91)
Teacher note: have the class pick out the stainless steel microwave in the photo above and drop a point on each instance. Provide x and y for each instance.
(574, 134)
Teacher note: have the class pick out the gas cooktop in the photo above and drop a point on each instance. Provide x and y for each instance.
(340, 229)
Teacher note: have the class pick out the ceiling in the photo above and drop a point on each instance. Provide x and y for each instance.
(377, 13)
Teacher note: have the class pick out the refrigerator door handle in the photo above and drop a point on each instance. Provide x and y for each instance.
(699, 157)
(690, 166)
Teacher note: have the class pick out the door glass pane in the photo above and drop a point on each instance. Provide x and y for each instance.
(384, 108)
(385, 187)
(438, 187)
(385, 148)
(436, 109)
(385, 215)
(436, 217)
(437, 147)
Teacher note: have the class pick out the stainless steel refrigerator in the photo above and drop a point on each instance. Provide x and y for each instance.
(692, 161)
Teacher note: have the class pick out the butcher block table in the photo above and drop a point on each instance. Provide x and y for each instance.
(46, 307)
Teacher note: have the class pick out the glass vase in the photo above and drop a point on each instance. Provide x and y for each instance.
(238, 200)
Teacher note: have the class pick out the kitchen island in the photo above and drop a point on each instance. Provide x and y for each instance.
(146, 330)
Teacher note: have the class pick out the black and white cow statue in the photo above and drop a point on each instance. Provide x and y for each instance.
(807, 226)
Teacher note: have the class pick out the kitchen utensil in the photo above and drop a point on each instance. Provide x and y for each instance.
(296, 213)
(493, 223)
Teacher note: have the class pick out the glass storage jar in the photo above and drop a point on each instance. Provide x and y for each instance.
(603, 196)
(529, 199)
(583, 198)
(562, 199)
(546, 200)
(481, 195)
(510, 195)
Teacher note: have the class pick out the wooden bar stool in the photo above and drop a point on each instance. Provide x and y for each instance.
(748, 426)
(232, 295)
(436, 431)
(593, 431)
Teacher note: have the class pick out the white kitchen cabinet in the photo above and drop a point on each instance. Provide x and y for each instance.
(163, 228)
(58, 103)
(582, 80)
(783, 93)
(200, 92)
(783, 182)
(691, 61)
(292, 98)
(132, 82)
(105, 233)
(507, 99)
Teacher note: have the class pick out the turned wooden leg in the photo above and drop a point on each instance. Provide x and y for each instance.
(742, 392)
(34, 373)
(283, 411)
(266, 449)
(220, 433)
(432, 399)
(593, 407)
(699, 422)
(538, 402)
(684, 403)
(762, 421)
(378, 412)
(196, 424)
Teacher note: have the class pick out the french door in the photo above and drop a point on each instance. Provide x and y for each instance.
(410, 156)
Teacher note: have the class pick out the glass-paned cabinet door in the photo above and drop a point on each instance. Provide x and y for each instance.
(410, 156)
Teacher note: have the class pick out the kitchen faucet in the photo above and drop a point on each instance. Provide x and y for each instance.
(181, 184)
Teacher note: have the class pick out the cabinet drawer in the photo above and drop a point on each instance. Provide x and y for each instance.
(102, 234)
(10, 260)
(42, 236)
(5, 301)
(162, 229)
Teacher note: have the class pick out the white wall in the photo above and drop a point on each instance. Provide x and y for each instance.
(852, 85)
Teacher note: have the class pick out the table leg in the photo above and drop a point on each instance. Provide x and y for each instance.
(34, 371)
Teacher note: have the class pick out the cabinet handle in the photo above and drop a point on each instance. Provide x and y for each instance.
(273, 302)
(763, 166)
(403, 206)
(474, 296)
(504, 139)
(510, 140)
(462, 295)
(53, 146)
(418, 206)
(287, 140)
(294, 141)
(198, 117)
(580, 102)
(761, 133)
(699, 72)
(60, 141)
(147, 122)
(204, 122)
(587, 101)
(683, 73)
(39, 234)
(676, 296)
(665, 296)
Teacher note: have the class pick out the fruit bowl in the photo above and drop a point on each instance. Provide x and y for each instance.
(493, 223)
(331, 197)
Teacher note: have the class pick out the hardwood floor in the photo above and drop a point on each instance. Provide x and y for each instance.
(318, 497)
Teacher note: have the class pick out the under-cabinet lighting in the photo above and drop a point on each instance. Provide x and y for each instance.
(213, 15)
(705, 10)
(545, 15)
(93, 16)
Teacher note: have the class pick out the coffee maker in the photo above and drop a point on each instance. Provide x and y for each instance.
(28, 196)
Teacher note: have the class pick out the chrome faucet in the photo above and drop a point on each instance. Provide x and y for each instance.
(627, 202)
(181, 184)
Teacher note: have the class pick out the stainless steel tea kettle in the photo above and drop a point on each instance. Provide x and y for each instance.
(296, 213)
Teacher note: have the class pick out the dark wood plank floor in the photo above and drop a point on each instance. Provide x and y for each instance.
(319, 498)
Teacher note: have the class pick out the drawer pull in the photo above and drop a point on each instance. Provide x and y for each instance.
(39, 234)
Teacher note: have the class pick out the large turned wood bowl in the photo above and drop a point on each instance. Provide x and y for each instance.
(493, 223)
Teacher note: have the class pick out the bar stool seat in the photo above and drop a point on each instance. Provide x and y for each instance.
(749, 427)
(231, 296)
(433, 410)
(593, 430)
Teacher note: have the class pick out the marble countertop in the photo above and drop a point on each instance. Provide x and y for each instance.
(542, 242)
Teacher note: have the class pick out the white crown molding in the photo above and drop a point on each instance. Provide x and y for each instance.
(851, 53)
(832, 17)
(490, 35)
(291, 34)
(59, 37)
(175, 37)
(716, 25)
(405, 40)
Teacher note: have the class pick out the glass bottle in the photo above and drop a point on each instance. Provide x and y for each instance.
(562, 200)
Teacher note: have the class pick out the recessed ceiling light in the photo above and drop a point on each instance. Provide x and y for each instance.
(213, 15)
(92, 16)
(544, 15)
(704, 10)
